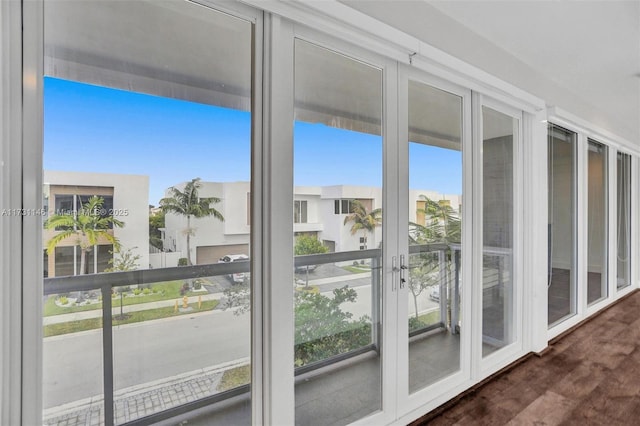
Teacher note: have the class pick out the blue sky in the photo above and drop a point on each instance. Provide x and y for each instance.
(96, 129)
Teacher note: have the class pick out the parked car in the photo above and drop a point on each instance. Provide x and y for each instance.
(303, 269)
(238, 277)
(434, 294)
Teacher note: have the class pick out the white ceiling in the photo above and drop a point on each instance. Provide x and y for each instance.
(582, 56)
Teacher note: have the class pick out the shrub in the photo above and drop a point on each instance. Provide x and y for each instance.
(146, 291)
(324, 330)
(415, 324)
(182, 261)
(63, 300)
(136, 291)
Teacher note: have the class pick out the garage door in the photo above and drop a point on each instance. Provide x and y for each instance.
(211, 254)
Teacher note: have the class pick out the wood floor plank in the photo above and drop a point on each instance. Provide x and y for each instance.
(591, 376)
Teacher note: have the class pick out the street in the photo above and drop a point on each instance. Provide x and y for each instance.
(160, 349)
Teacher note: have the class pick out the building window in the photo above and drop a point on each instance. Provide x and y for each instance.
(345, 206)
(69, 204)
(300, 211)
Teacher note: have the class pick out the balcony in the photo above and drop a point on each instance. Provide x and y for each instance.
(150, 369)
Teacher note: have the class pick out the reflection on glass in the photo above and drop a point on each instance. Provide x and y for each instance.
(561, 274)
(597, 222)
(147, 156)
(623, 231)
(498, 319)
(337, 209)
(435, 204)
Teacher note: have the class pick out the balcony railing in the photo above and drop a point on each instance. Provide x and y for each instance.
(107, 282)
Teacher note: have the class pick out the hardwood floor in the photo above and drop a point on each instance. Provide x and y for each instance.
(588, 377)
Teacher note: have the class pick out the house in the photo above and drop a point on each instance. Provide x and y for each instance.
(318, 211)
(123, 195)
(532, 108)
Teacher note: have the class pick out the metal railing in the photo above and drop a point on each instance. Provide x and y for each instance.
(106, 282)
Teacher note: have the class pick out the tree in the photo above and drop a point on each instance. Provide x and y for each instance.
(156, 221)
(362, 220)
(87, 225)
(123, 261)
(442, 225)
(187, 203)
(307, 244)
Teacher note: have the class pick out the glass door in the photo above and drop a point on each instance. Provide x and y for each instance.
(434, 134)
(497, 229)
(337, 236)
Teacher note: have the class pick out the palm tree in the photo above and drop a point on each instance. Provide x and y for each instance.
(87, 225)
(187, 203)
(442, 223)
(362, 219)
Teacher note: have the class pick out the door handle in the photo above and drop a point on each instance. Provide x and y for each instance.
(394, 269)
(403, 268)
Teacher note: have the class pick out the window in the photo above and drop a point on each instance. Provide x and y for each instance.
(561, 280)
(500, 136)
(109, 101)
(346, 206)
(623, 227)
(597, 223)
(300, 211)
(338, 107)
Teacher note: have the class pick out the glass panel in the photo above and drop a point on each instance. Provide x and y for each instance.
(337, 156)
(597, 223)
(499, 133)
(147, 157)
(435, 197)
(623, 231)
(72, 380)
(561, 273)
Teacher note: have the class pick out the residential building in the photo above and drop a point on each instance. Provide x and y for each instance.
(124, 199)
(318, 211)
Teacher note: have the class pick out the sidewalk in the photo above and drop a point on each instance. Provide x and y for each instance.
(142, 400)
(97, 313)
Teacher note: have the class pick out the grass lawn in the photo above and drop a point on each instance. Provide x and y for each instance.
(424, 320)
(430, 318)
(165, 291)
(235, 377)
(140, 316)
(357, 269)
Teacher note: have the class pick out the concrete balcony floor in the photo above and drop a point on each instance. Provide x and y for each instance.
(347, 392)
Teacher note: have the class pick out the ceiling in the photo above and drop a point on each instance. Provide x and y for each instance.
(582, 56)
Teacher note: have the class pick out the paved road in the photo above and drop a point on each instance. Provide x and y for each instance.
(142, 353)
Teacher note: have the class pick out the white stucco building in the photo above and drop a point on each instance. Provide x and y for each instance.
(125, 198)
(317, 210)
